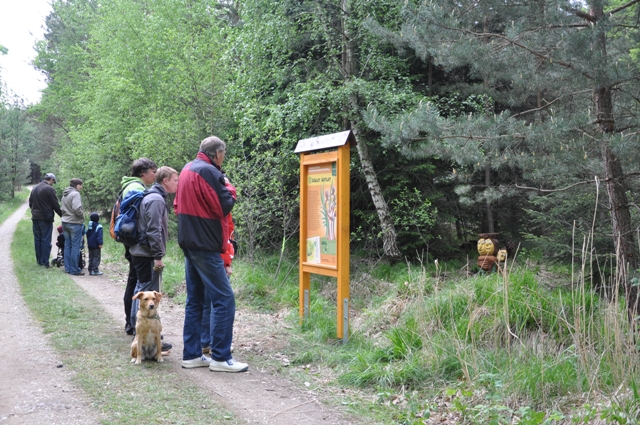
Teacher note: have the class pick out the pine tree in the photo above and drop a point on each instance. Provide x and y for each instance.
(565, 89)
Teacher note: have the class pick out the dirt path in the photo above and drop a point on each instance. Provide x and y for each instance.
(33, 389)
(255, 397)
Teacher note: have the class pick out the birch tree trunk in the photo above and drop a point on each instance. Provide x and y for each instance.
(389, 236)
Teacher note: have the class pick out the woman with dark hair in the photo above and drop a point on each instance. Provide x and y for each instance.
(72, 225)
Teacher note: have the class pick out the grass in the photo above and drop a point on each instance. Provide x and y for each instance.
(86, 340)
(532, 346)
(427, 341)
(9, 206)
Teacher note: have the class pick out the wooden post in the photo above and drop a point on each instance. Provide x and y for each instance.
(344, 234)
(305, 278)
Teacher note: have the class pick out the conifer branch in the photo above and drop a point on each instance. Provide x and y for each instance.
(520, 45)
(549, 103)
(624, 6)
(539, 189)
(469, 137)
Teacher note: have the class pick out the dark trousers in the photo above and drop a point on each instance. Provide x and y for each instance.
(148, 280)
(42, 240)
(94, 259)
(132, 279)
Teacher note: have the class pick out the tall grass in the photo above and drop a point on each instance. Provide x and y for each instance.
(511, 347)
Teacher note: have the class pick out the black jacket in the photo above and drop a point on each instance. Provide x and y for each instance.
(43, 202)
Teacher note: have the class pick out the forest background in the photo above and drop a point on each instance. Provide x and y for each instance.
(519, 118)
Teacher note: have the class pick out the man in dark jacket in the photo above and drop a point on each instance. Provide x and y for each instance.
(147, 254)
(202, 203)
(43, 203)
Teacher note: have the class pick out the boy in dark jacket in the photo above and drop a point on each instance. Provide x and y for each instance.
(60, 239)
(94, 242)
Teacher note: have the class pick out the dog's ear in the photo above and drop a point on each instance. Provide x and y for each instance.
(158, 296)
(137, 296)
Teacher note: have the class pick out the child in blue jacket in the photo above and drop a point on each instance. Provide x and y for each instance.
(94, 242)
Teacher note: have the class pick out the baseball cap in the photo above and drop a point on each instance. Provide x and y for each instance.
(50, 176)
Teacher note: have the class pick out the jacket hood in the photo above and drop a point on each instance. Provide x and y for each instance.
(68, 190)
(126, 180)
(157, 188)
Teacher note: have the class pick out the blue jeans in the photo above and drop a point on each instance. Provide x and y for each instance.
(205, 332)
(42, 240)
(73, 241)
(205, 274)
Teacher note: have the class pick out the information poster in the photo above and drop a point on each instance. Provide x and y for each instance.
(322, 206)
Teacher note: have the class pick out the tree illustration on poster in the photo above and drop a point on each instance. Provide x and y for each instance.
(324, 218)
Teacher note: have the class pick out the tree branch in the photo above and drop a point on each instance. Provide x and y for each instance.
(548, 104)
(623, 7)
(539, 189)
(469, 137)
(520, 45)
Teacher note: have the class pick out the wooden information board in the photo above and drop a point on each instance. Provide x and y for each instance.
(324, 218)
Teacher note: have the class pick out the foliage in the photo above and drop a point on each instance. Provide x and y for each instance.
(424, 343)
(538, 83)
(17, 147)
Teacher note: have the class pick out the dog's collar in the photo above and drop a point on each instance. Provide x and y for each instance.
(155, 316)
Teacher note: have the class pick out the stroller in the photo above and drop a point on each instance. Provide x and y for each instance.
(59, 260)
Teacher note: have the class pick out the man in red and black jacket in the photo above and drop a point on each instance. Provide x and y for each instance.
(202, 202)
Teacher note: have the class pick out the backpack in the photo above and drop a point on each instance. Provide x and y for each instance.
(126, 226)
(115, 211)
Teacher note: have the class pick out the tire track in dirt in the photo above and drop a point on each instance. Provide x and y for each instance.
(33, 389)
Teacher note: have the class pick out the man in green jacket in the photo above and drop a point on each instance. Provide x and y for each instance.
(143, 174)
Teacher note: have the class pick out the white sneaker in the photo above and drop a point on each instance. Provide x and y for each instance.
(197, 362)
(230, 365)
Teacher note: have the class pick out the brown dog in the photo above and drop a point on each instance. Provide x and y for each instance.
(147, 344)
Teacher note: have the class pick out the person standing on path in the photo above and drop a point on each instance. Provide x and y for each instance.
(43, 203)
(72, 226)
(202, 203)
(94, 243)
(227, 260)
(143, 174)
(147, 254)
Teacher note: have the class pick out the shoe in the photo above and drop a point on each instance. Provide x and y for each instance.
(78, 274)
(166, 346)
(197, 362)
(96, 273)
(230, 365)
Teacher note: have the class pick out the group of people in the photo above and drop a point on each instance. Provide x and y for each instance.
(44, 205)
(203, 202)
